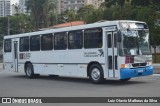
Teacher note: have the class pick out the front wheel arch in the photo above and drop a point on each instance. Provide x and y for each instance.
(90, 64)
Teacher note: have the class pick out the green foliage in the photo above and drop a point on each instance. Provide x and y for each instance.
(140, 2)
(3, 29)
(85, 13)
(67, 16)
(40, 11)
(155, 36)
(42, 14)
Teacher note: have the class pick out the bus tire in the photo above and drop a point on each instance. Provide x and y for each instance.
(96, 74)
(125, 80)
(29, 71)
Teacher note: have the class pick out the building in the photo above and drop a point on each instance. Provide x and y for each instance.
(22, 6)
(14, 9)
(97, 3)
(5, 8)
(63, 5)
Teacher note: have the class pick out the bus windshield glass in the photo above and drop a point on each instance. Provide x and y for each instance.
(135, 42)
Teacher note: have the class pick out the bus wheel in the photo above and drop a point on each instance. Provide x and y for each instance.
(29, 70)
(125, 80)
(96, 74)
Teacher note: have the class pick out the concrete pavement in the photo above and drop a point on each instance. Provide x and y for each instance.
(1, 66)
(17, 85)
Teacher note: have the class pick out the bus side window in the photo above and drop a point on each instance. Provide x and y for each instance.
(60, 41)
(35, 43)
(7, 45)
(75, 39)
(24, 44)
(47, 42)
(93, 38)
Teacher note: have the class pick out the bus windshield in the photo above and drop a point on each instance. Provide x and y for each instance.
(135, 42)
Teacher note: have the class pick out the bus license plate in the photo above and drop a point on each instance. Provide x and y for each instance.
(140, 71)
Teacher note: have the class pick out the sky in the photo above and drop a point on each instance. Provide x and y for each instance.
(14, 1)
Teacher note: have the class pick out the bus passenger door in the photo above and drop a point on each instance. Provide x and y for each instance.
(15, 55)
(112, 54)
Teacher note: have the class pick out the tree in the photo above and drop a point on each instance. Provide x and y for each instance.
(48, 8)
(155, 38)
(85, 12)
(3, 29)
(110, 3)
(35, 9)
(95, 16)
(140, 2)
(155, 4)
(68, 16)
(40, 10)
(20, 23)
(121, 2)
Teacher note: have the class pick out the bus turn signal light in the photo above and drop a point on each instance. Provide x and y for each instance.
(126, 66)
(123, 66)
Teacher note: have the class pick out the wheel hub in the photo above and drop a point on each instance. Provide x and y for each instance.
(95, 74)
(29, 71)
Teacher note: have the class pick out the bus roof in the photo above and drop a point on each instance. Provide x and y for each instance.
(93, 25)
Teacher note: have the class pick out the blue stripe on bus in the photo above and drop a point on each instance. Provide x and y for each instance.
(129, 73)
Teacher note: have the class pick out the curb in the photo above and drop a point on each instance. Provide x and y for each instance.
(157, 75)
(1, 66)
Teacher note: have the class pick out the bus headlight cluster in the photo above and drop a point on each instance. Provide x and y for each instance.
(149, 63)
(126, 66)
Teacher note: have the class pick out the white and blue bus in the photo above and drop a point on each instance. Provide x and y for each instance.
(103, 50)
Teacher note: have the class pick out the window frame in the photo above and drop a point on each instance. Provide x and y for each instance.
(31, 48)
(82, 42)
(28, 44)
(98, 28)
(55, 42)
(52, 39)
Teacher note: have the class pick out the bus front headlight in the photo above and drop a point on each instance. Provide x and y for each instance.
(126, 66)
(149, 63)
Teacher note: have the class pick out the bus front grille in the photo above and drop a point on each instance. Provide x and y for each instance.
(139, 64)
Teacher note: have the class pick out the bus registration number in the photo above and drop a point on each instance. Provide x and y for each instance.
(140, 71)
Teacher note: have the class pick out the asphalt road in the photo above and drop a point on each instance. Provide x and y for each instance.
(17, 85)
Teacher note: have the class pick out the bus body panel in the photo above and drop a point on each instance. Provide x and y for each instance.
(64, 62)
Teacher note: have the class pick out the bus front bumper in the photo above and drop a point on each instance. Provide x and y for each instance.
(136, 72)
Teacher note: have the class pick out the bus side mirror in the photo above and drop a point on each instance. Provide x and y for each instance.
(119, 36)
